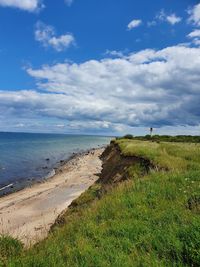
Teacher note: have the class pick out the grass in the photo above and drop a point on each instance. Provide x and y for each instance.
(172, 156)
(9, 247)
(165, 138)
(146, 221)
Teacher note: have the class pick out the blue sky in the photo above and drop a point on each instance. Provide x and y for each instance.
(102, 67)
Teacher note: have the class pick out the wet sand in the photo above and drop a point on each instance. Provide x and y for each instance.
(28, 214)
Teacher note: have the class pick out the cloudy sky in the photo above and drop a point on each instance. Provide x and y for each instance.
(100, 67)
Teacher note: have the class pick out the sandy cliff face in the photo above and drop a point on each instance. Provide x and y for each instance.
(116, 166)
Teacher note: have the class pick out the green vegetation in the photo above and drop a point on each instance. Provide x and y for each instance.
(9, 247)
(170, 156)
(151, 220)
(165, 138)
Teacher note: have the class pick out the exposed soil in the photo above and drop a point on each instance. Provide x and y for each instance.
(115, 165)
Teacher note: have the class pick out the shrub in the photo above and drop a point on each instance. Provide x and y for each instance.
(128, 136)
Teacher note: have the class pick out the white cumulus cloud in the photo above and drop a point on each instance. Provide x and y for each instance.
(194, 15)
(195, 36)
(46, 35)
(173, 19)
(134, 24)
(140, 89)
(148, 88)
(28, 5)
(195, 33)
(170, 18)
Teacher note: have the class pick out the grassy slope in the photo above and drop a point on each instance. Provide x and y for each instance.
(149, 221)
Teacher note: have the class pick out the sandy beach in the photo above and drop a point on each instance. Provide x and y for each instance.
(29, 213)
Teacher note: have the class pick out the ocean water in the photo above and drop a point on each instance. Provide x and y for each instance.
(27, 158)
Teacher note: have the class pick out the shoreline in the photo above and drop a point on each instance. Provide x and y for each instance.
(28, 214)
(18, 185)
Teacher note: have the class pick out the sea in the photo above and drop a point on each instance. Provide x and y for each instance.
(27, 158)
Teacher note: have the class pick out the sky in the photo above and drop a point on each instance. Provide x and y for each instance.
(106, 67)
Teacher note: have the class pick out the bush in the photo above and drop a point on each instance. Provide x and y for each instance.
(128, 136)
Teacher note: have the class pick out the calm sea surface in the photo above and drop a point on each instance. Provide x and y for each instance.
(25, 158)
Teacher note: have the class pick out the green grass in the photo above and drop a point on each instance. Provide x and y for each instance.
(164, 138)
(9, 247)
(146, 221)
(172, 156)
